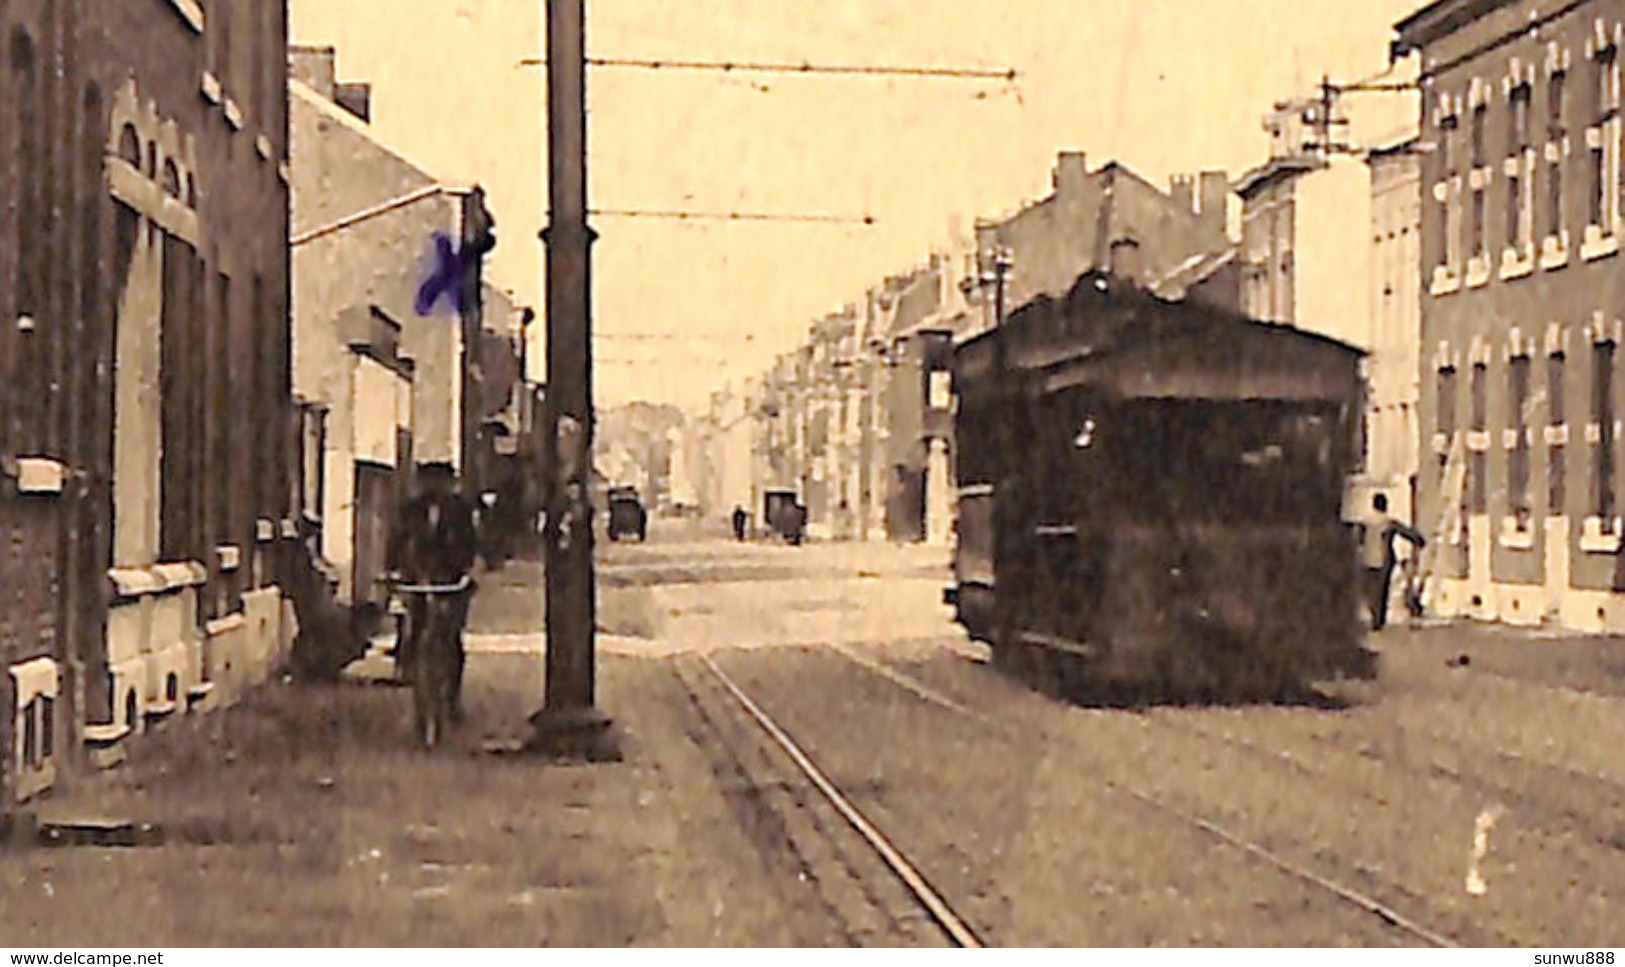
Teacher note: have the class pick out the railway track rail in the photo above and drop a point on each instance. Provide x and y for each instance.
(1341, 893)
(951, 925)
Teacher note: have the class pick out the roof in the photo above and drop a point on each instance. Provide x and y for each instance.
(1405, 144)
(1439, 19)
(1074, 328)
(333, 111)
(1274, 170)
(1193, 271)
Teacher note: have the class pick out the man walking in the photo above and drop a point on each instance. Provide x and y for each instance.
(1378, 557)
(740, 520)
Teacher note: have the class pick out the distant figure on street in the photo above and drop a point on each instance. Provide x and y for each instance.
(435, 540)
(741, 521)
(1378, 557)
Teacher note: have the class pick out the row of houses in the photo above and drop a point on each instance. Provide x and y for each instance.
(858, 419)
(1472, 251)
(214, 379)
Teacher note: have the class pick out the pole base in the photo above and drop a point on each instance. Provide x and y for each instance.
(573, 735)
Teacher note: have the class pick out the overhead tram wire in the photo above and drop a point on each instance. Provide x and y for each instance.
(1008, 75)
(806, 218)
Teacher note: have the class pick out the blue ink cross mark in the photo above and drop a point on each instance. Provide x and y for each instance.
(445, 279)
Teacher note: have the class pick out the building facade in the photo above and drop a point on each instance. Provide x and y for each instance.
(1329, 245)
(1393, 439)
(371, 229)
(1521, 319)
(147, 431)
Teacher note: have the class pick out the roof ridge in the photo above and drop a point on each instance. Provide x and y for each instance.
(337, 112)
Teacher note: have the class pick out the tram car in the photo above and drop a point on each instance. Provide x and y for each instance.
(1150, 499)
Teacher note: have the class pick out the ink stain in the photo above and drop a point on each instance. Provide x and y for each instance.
(444, 283)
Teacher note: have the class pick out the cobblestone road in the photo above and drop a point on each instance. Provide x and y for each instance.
(302, 817)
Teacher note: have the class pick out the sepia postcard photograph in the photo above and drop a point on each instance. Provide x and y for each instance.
(1137, 475)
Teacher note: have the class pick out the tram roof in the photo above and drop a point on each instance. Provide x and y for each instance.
(1108, 320)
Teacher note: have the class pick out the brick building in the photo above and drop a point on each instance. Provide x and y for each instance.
(145, 427)
(1521, 316)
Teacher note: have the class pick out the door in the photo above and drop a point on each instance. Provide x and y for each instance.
(374, 510)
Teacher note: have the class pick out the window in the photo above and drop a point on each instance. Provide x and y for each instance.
(1521, 139)
(1556, 98)
(1479, 388)
(1478, 482)
(1555, 389)
(1556, 132)
(1447, 146)
(1480, 119)
(1476, 234)
(1606, 66)
(1446, 415)
(1477, 470)
(1519, 181)
(176, 332)
(1518, 496)
(1556, 480)
(1445, 195)
(1602, 140)
(1602, 415)
(1556, 457)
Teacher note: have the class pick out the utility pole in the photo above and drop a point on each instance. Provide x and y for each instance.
(478, 239)
(569, 723)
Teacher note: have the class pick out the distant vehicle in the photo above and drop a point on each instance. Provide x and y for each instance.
(626, 514)
(785, 515)
(1150, 498)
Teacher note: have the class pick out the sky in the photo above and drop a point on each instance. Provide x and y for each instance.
(681, 308)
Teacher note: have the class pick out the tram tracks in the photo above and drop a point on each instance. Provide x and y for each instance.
(867, 889)
(1384, 914)
(1417, 927)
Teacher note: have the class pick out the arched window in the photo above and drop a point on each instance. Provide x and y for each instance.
(152, 159)
(191, 190)
(172, 179)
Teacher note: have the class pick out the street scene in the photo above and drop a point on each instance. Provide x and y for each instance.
(820, 473)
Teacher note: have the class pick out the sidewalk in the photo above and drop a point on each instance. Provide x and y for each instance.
(1547, 657)
(302, 817)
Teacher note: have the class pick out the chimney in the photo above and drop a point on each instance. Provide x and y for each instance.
(316, 66)
(1071, 174)
(1214, 192)
(355, 98)
(1183, 191)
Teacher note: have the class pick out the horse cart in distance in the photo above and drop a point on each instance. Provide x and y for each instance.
(786, 516)
(1151, 499)
(627, 516)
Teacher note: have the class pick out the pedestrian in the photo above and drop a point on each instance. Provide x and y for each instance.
(1378, 557)
(741, 520)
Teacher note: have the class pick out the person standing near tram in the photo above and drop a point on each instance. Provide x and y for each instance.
(1378, 558)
